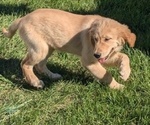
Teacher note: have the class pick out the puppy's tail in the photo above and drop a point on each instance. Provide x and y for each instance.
(10, 32)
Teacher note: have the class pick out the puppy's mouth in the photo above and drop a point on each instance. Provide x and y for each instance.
(103, 60)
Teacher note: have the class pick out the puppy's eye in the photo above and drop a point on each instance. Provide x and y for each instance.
(106, 39)
(95, 39)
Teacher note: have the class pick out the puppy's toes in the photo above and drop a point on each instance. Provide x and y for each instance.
(124, 74)
(38, 84)
(117, 86)
(55, 76)
(121, 87)
(124, 78)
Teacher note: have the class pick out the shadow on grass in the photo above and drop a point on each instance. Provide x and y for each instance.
(11, 70)
(14, 9)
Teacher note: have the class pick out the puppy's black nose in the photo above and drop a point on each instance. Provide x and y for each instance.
(97, 55)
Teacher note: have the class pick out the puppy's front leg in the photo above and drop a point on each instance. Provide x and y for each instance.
(122, 61)
(124, 66)
(100, 72)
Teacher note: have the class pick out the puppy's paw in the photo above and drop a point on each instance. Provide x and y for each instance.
(38, 84)
(54, 76)
(125, 72)
(117, 86)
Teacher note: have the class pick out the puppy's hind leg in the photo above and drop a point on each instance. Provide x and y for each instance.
(34, 56)
(42, 68)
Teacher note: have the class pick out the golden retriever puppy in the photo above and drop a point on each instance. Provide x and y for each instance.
(97, 40)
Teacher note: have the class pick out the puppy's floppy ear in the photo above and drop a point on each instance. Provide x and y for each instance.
(128, 36)
(94, 31)
(121, 41)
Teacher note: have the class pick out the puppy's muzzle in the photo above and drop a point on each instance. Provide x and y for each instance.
(97, 55)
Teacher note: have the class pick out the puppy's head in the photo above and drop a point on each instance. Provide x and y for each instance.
(108, 36)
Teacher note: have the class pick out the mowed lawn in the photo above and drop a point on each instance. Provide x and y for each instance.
(77, 99)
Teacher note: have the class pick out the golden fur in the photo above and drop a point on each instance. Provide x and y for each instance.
(97, 40)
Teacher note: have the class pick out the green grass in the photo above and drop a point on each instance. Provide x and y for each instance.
(77, 99)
